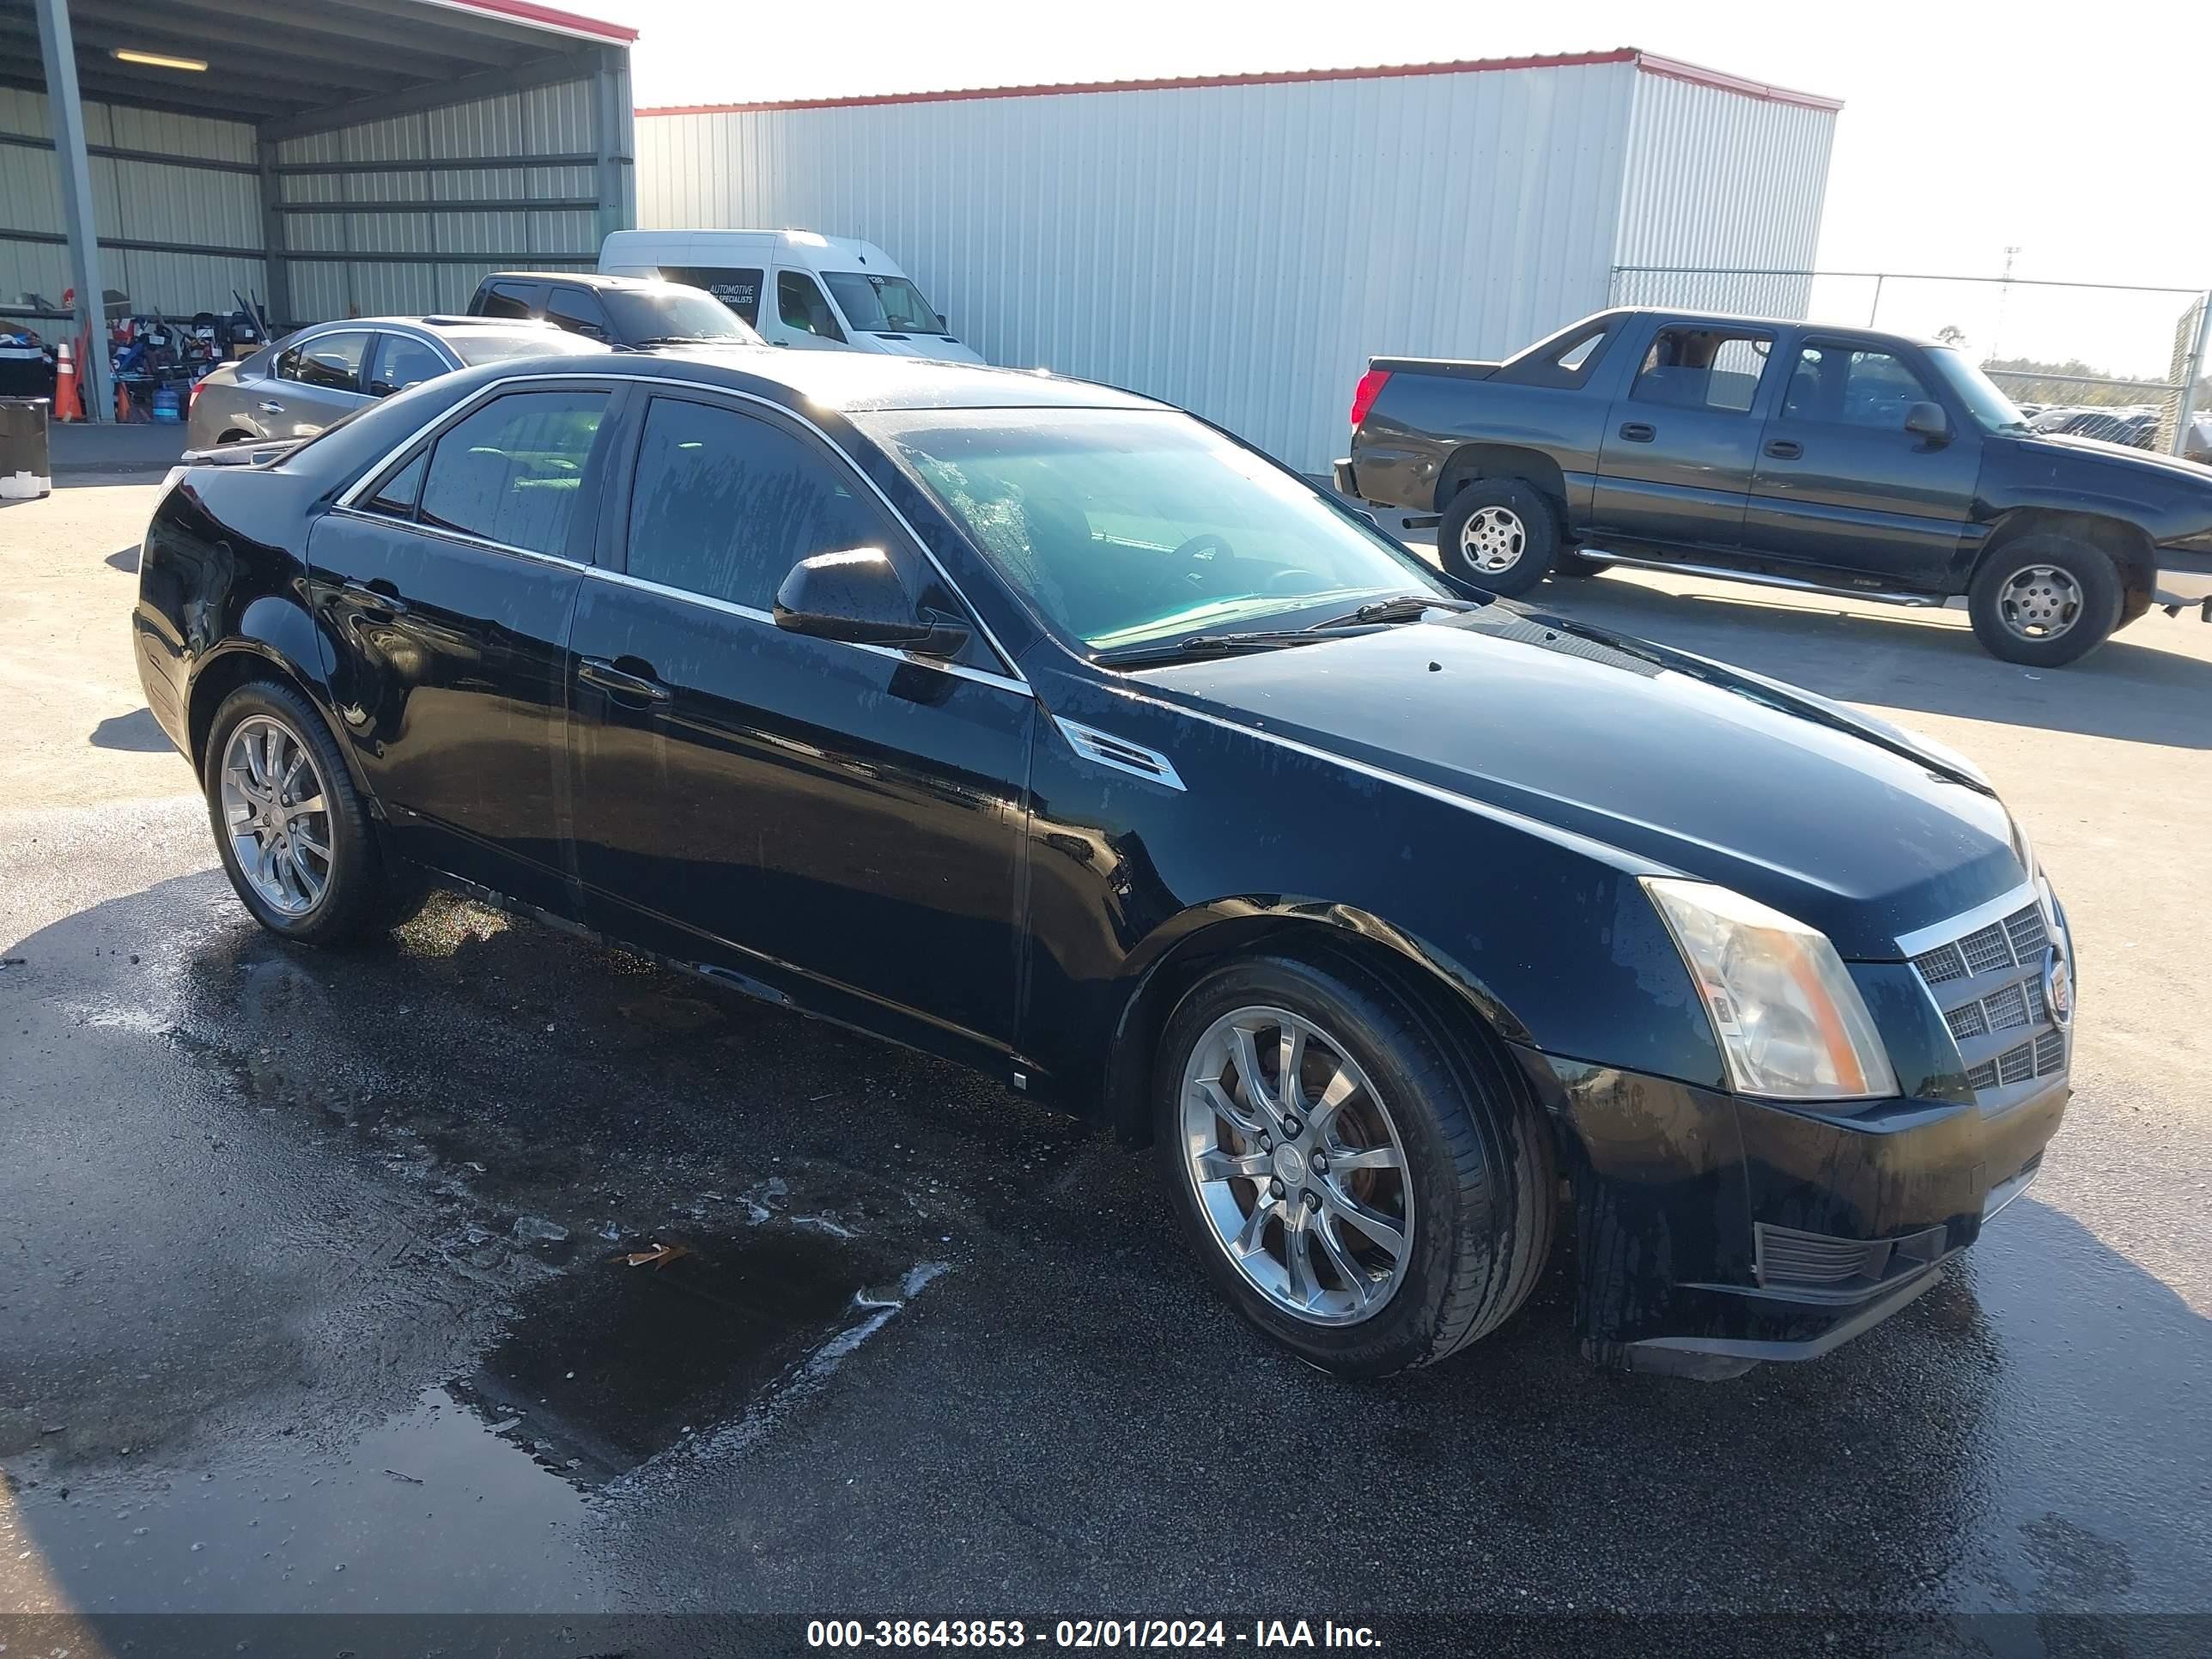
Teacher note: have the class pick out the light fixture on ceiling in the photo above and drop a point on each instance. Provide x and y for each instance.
(158, 60)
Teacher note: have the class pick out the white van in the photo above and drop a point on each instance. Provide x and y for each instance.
(796, 287)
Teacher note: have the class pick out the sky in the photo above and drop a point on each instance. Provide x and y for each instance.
(2079, 136)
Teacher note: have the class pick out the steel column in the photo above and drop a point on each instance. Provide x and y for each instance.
(278, 273)
(66, 112)
(612, 153)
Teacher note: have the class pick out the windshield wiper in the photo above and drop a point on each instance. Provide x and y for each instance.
(1406, 607)
(1209, 644)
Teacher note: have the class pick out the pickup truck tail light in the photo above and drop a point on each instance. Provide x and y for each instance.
(1363, 395)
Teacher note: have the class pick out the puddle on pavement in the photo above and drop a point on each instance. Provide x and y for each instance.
(607, 1365)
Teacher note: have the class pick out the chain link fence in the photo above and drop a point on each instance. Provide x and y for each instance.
(2118, 361)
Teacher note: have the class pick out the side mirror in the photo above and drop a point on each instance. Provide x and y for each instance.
(857, 597)
(1928, 421)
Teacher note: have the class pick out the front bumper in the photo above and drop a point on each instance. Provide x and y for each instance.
(2184, 578)
(1717, 1231)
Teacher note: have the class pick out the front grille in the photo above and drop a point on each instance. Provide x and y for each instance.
(1989, 984)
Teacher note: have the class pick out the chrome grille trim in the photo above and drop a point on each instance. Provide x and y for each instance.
(1983, 972)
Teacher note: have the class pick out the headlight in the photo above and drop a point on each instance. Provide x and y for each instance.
(1787, 1015)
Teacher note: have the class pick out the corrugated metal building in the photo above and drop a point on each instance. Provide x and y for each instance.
(1241, 244)
(373, 158)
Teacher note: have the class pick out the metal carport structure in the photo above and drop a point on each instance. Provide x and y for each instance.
(368, 155)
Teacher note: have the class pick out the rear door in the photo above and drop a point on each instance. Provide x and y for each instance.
(1683, 439)
(316, 381)
(841, 821)
(445, 585)
(516, 300)
(1841, 483)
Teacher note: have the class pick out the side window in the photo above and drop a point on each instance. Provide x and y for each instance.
(800, 303)
(511, 471)
(1844, 387)
(399, 362)
(287, 364)
(401, 490)
(724, 504)
(509, 299)
(1702, 368)
(331, 362)
(736, 286)
(579, 312)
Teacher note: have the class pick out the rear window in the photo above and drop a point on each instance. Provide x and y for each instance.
(511, 471)
(670, 313)
(498, 345)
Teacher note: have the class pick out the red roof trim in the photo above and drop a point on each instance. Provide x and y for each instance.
(529, 11)
(1671, 68)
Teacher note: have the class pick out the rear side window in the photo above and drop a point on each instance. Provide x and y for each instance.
(578, 310)
(507, 300)
(331, 362)
(725, 503)
(511, 473)
(402, 361)
(401, 490)
(736, 286)
(1711, 368)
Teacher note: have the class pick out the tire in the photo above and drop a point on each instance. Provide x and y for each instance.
(1473, 1177)
(2072, 582)
(1500, 533)
(358, 896)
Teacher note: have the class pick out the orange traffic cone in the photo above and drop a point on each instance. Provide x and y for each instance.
(69, 401)
(122, 404)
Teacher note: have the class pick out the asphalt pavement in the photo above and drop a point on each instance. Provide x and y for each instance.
(486, 1272)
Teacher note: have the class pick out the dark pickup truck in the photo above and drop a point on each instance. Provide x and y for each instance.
(1830, 459)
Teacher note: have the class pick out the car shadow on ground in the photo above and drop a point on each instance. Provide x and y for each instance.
(125, 560)
(137, 732)
(1915, 659)
(1097, 1422)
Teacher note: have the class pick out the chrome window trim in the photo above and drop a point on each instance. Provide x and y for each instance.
(1097, 746)
(1951, 929)
(491, 388)
(483, 543)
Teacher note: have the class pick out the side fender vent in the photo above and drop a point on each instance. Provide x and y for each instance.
(1118, 753)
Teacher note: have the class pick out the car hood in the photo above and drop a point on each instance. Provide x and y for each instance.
(1851, 825)
(2194, 472)
(933, 347)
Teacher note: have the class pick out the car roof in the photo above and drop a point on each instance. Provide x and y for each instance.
(581, 278)
(850, 382)
(1729, 319)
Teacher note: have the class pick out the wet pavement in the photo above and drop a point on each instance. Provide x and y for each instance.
(489, 1271)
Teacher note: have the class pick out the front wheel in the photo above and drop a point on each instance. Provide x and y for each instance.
(1359, 1183)
(1498, 533)
(2045, 600)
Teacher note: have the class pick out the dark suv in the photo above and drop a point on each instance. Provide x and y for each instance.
(622, 311)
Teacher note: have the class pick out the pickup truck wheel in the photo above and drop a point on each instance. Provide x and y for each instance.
(1365, 1189)
(2046, 599)
(1498, 533)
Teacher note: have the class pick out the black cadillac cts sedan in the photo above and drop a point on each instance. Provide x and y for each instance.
(1042, 726)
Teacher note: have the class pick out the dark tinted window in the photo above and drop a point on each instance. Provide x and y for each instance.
(1849, 387)
(1702, 368)
(331, 362)
(402, 361)
(578, 310)
(670, 311)
(800, 305)
(506, 299)
(511, 471)
(401, 490)
(724, 504)
(736, 286)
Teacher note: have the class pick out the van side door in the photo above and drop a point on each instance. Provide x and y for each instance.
(1681, 439)
(801, 314)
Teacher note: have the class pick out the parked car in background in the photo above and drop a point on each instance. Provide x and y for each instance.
(798, 288)
(295, 386)
(617, 311)
(1834, 459)
(2131, 428)
(1044, 727)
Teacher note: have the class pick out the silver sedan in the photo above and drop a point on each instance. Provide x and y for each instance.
(307, 381)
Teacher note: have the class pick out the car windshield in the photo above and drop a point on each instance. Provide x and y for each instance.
(669, 313)
(498, 345)
(882, 305)
(1984, 401)
(1124, 526)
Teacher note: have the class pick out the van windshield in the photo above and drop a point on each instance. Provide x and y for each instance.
(882, 305)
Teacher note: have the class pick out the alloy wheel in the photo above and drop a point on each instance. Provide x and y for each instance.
(276, 811)
(2040, 602)
(1296, 1165)
(1493, 539)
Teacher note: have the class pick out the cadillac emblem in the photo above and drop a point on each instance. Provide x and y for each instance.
(2058, 984)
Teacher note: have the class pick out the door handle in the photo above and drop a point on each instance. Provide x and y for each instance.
(620, 683)
(376, 596)
(269, 407)
(1785, 449)
(1639, 432)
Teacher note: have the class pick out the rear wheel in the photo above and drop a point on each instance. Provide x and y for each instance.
(1498, 533)
(293, 834)
(1369, 1192)
(2046, 599)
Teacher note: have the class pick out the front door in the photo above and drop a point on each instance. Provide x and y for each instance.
(839, 822)
(803, 316)
(1843, 485)
(445, 590)
(1680, 445)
